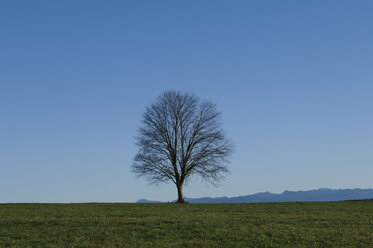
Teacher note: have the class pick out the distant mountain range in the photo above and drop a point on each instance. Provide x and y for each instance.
(147, 201)
(323, 194)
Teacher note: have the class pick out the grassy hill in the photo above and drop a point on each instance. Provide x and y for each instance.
(312, 224)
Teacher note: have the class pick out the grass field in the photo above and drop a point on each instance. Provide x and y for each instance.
(327, 224)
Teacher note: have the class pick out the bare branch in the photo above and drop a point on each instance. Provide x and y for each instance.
(181, 136)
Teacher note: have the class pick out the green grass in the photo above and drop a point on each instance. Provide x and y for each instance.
(327, 224)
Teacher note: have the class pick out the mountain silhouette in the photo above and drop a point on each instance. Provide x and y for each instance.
(322, 194)
(147, 201)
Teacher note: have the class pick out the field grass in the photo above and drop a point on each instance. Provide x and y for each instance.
(327, 224)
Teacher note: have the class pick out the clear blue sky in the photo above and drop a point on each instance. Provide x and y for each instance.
(294, 80)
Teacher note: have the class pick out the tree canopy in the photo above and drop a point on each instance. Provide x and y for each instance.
(181, 136)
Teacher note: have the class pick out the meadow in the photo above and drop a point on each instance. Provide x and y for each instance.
(90, 225)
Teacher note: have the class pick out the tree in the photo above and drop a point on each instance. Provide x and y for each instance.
(181, 136)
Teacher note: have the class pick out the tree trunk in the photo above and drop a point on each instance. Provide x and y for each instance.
(180, 194)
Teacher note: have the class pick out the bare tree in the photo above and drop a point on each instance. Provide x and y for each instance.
(181, 136)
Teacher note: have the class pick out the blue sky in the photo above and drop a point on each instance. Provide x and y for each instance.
(293, 79)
